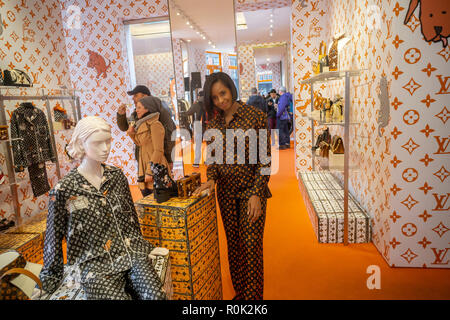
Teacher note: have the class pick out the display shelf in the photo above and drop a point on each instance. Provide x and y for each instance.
(338, 163)
(322, 123)
(331, 75)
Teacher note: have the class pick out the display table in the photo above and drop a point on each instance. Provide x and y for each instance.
(188, 228)
(323, 198)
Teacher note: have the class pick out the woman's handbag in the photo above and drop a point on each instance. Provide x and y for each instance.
(17, 277)
(337, 145)
(324, 136)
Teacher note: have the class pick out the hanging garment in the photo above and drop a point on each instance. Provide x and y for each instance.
(31, 144)
(105, 245)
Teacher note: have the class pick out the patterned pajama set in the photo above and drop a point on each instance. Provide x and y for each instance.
(236, 183)
(31, 145)
(105, 247)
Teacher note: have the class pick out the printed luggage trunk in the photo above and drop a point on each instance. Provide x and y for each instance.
(188, 228)
(324, 200)
(30, 245)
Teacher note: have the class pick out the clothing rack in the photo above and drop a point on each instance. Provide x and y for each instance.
(76, 111)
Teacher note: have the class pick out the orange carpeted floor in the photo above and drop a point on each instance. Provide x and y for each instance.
(296, 266)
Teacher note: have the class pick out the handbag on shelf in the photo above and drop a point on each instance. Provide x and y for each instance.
(333, 54)
(16, 78)
(324, 149)
(337, 145)
(17, 276)
(318, 100)
(324, 136)
(323, 57)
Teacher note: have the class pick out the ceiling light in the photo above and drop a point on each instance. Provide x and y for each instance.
(271, 20)
(187, 22)
(178, 13)
(188, 40)
(271, 26)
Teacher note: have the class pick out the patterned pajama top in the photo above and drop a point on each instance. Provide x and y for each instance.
(101, 228)
(237, 179)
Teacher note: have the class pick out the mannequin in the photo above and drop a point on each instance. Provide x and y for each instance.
(93, 209)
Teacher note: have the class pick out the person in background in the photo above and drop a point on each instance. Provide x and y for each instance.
(257, 101)
(283, 119)
(149, 134)
(198, 111)
(272, 104)
(138, 93)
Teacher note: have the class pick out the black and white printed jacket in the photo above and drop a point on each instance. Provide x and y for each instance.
(30, 137)
(101, 228)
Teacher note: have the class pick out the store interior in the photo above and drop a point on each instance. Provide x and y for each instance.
(364, 72)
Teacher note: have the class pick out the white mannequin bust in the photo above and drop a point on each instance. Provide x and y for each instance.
(91, 142)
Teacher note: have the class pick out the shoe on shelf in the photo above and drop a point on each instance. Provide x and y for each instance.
(282, 147)
(196, 165)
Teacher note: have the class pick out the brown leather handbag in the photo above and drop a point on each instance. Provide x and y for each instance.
(12, 265)
(324, 149)
(337, 145)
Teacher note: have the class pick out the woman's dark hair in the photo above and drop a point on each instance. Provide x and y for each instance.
(210, 81)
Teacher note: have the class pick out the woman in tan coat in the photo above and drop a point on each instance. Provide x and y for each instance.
(148, 133)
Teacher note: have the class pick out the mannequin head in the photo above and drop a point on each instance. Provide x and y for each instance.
(91, 138)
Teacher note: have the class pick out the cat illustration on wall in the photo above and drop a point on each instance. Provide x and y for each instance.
(434, 19)
(384, 113)
(97, 62)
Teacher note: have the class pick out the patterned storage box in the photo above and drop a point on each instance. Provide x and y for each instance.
(36, 225)
(30, 245)
(73, 291)
(323, 198)
(188, 228)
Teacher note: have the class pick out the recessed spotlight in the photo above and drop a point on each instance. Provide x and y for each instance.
(178, 13)
(187, 22)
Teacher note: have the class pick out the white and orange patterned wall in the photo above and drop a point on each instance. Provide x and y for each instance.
(33, 41)
(401, 176)
(177, 62)
(156, 72)
(275, 68)
(101, 34)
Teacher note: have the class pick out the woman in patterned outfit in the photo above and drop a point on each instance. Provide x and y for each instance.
(242, 189)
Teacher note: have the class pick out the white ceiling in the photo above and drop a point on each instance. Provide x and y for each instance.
(258, 24)
(214, 17)
(151, 37)
(275, 54)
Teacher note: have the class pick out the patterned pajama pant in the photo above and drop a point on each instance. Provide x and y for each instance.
(245, 246)
(141, 282)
